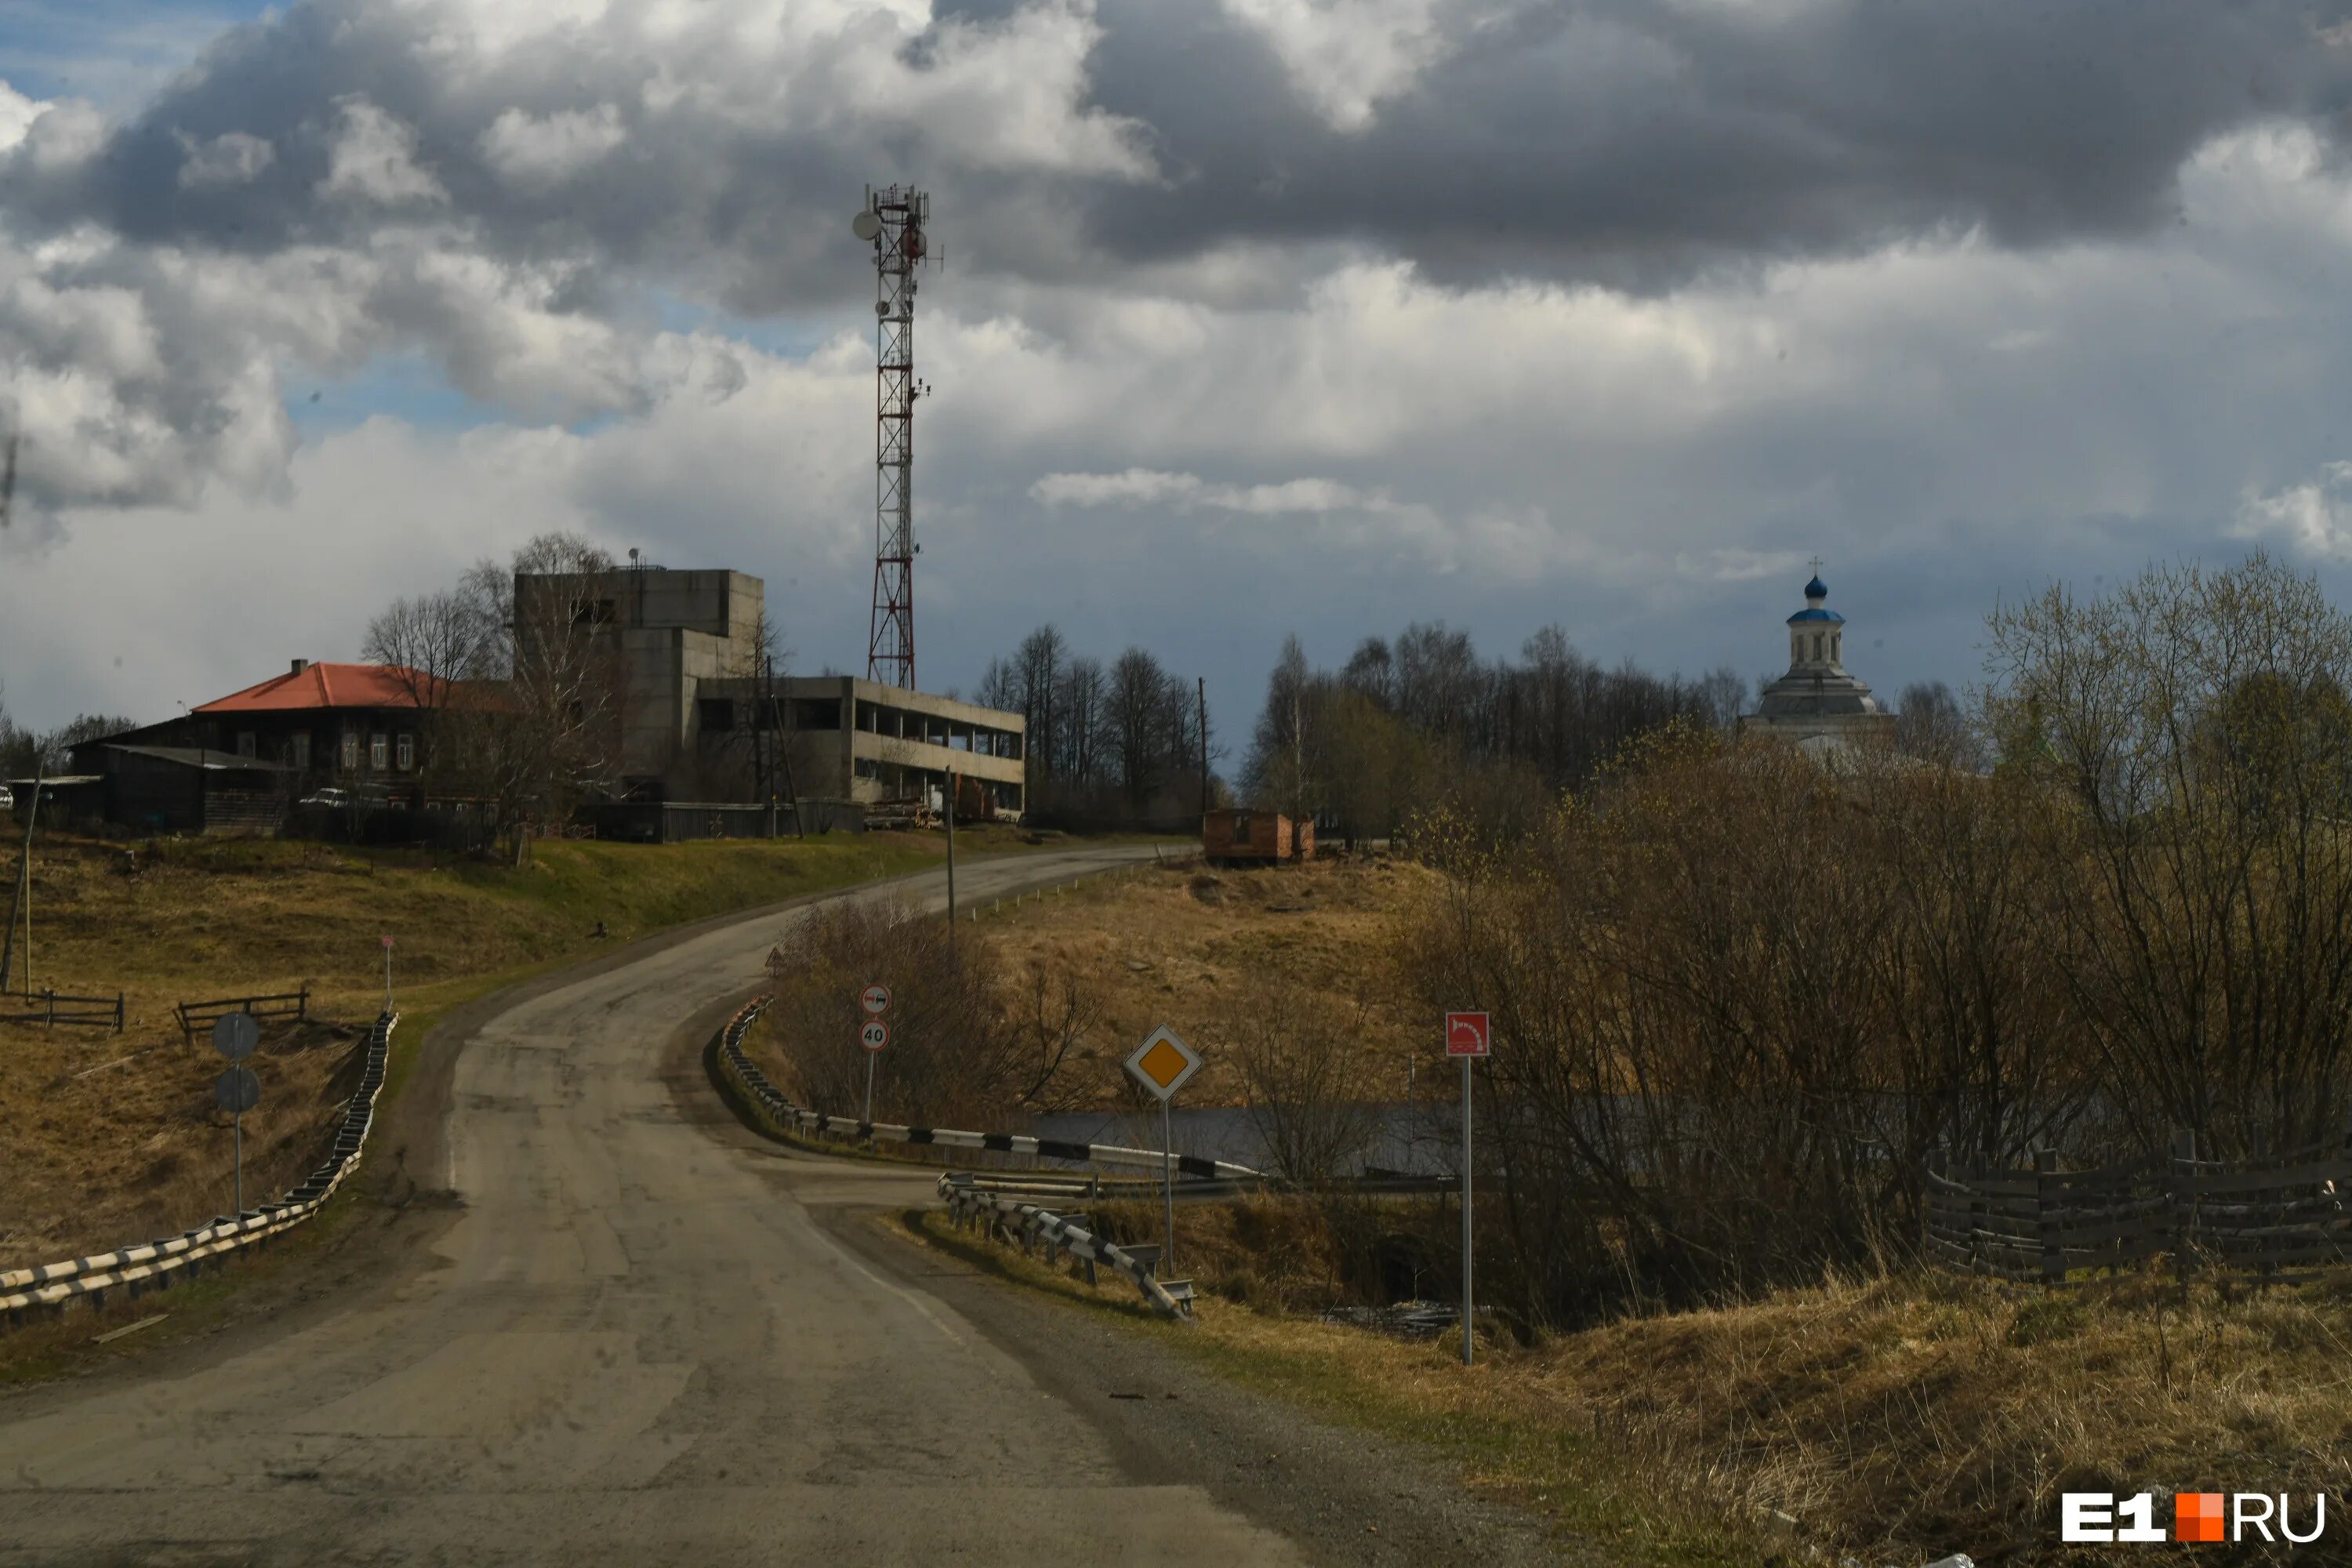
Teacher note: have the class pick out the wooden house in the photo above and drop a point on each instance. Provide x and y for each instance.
(1244, 837)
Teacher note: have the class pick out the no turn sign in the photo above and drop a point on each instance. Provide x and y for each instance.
(876, 1000)
(875, 1034)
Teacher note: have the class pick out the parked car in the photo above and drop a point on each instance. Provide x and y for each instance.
(335, 797)
(7, 798)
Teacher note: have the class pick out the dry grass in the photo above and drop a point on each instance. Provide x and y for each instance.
(1182, 944)
(106, 1139)
(1896, 1418)
(1900, 1417)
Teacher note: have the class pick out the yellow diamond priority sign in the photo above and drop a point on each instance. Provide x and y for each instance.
(1163, 1062)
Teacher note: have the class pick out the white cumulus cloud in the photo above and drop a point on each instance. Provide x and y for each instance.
(375, 159)
(546, 150)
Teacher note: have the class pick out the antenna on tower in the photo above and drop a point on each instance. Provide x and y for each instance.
(894, 221)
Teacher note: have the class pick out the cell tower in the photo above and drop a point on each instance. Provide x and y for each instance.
(894, 220)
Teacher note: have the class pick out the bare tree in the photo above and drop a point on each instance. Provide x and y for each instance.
(1300, 1065)
(2198, 724)
(434, 644)
(1930, 724)
(553, 739)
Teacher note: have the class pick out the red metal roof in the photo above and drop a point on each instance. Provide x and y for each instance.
(325, 686)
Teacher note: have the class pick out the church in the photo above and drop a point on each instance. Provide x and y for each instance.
(1818, 704)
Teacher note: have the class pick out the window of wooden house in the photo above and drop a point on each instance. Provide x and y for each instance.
(379, 752)
(302, 751)
(1242, 828)
(406, 752)
(245, 743)
(351, 750)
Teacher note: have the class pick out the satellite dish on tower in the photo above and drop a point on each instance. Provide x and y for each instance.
(866, 224)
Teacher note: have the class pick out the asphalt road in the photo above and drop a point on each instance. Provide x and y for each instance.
(636, 1334)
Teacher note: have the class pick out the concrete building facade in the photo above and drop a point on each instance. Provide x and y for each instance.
(665, 635)
(861, 741)
(701, 720)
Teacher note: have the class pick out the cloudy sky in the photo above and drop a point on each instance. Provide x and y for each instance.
(1256, 316)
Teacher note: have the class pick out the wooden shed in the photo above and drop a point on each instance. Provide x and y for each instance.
(176, 789)
(1246, 835)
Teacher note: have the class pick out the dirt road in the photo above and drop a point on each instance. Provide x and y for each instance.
(648, 1338)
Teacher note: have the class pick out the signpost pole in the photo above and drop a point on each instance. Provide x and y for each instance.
(952, 805)
(1168, 1184)
(873, 1035)
(236, 1035)
(1465, 1211)
(1162, 1065)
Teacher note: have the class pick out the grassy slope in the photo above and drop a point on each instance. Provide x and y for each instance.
(106, 1139)
(1901, 1417)
(1183, 944)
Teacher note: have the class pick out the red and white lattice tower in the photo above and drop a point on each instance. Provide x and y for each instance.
(894, 219)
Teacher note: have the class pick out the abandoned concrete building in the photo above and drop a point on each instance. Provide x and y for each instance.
(702, 721)
(1819, 704)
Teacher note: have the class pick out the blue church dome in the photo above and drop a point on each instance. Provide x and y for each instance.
(1817, 589)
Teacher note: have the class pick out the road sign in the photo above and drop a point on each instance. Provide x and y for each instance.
(875, 1034)
(1467, 1037)
(1466, 1034)
(236, 1090)
(235, 1034)
(876, 1000)
(1163, 1062)
(387, 944)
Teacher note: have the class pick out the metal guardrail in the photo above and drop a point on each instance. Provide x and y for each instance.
(1048, 1186)
(134, 1268)
(1033, 1225)
(798, 1121)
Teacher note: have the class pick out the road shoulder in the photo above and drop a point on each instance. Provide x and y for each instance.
(1343, 1494)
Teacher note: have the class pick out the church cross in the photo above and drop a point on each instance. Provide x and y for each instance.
(1817, 565)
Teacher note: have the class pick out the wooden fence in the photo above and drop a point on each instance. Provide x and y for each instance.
(54, 1007)
(195, 1017)
(2277, 1217)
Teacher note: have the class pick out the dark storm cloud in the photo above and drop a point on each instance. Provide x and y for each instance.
(1633, 142)
(1613, 141)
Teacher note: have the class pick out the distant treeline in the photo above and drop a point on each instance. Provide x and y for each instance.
(1405, 724)
(1108, 745)
(23, 752)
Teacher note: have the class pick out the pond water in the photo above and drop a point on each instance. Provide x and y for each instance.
(1421, 1140)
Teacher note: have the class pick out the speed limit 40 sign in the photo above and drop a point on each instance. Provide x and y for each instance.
(875, 1034)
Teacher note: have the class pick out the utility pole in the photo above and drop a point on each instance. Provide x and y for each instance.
(783, 752)
(1201, 684)
(951, 907)
(21, 896)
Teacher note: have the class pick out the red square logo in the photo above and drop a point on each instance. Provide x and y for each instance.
(2197, 1516)
(1465, 1034)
